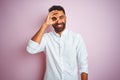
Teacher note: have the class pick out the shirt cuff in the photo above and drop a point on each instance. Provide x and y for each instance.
(85, 70)
(33, 44)
(32, 47)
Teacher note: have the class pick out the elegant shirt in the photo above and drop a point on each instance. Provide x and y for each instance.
(66, 55)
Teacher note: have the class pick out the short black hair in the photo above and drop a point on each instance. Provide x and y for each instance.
(56, 7)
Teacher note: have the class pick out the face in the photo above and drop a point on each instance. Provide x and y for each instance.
(60, 21)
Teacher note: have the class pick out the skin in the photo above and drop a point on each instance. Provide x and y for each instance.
(84, 76)
(58, 20)
(49, 21)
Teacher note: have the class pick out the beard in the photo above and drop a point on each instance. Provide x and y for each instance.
(59, 27)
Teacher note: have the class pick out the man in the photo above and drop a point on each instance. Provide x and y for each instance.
(66, 55)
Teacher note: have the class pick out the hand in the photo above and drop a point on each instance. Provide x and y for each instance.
(51, 18)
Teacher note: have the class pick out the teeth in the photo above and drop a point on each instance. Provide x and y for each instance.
(59, 25)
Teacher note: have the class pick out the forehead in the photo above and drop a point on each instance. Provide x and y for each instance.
(58, 12)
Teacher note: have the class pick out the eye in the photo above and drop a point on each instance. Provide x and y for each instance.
(61, 17)
(54, 18)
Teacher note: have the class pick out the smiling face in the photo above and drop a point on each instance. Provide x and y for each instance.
(60, 21)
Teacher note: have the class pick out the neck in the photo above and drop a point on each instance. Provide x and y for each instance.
(60, 32)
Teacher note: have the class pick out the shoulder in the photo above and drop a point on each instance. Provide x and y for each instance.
(48, 34)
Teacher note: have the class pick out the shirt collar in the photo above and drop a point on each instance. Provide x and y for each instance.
(62, 34)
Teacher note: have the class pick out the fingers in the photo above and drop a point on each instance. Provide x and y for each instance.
(54, 12)
(52, 16)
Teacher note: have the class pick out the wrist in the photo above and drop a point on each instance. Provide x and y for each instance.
(45, 25)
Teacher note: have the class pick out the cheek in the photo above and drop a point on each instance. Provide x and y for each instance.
(64, 20)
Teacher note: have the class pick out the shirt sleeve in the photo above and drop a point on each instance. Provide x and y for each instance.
(82, 55)
(33, 47)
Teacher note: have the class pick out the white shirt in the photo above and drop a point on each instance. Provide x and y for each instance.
(66, 55)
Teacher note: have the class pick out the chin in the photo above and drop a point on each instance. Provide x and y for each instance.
(59, 30)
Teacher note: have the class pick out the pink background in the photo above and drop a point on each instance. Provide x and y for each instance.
(97, 20)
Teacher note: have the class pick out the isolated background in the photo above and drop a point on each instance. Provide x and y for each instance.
(98, 21)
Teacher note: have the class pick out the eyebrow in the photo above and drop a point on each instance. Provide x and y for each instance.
(62, 16)
(55, 13)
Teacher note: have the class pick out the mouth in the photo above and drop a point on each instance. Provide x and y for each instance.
(59, 26)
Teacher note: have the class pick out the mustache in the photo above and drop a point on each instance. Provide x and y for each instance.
(59, 24)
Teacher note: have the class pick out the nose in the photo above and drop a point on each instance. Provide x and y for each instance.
(59, 20)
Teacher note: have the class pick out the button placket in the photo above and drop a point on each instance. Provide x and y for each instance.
(61, 57)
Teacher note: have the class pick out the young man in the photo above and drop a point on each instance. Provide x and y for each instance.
(65, 50)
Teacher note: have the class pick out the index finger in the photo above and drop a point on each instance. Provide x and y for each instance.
(54, 12)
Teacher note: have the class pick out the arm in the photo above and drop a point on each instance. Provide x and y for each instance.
(82, 58)
(37, 42)
(38, 36)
